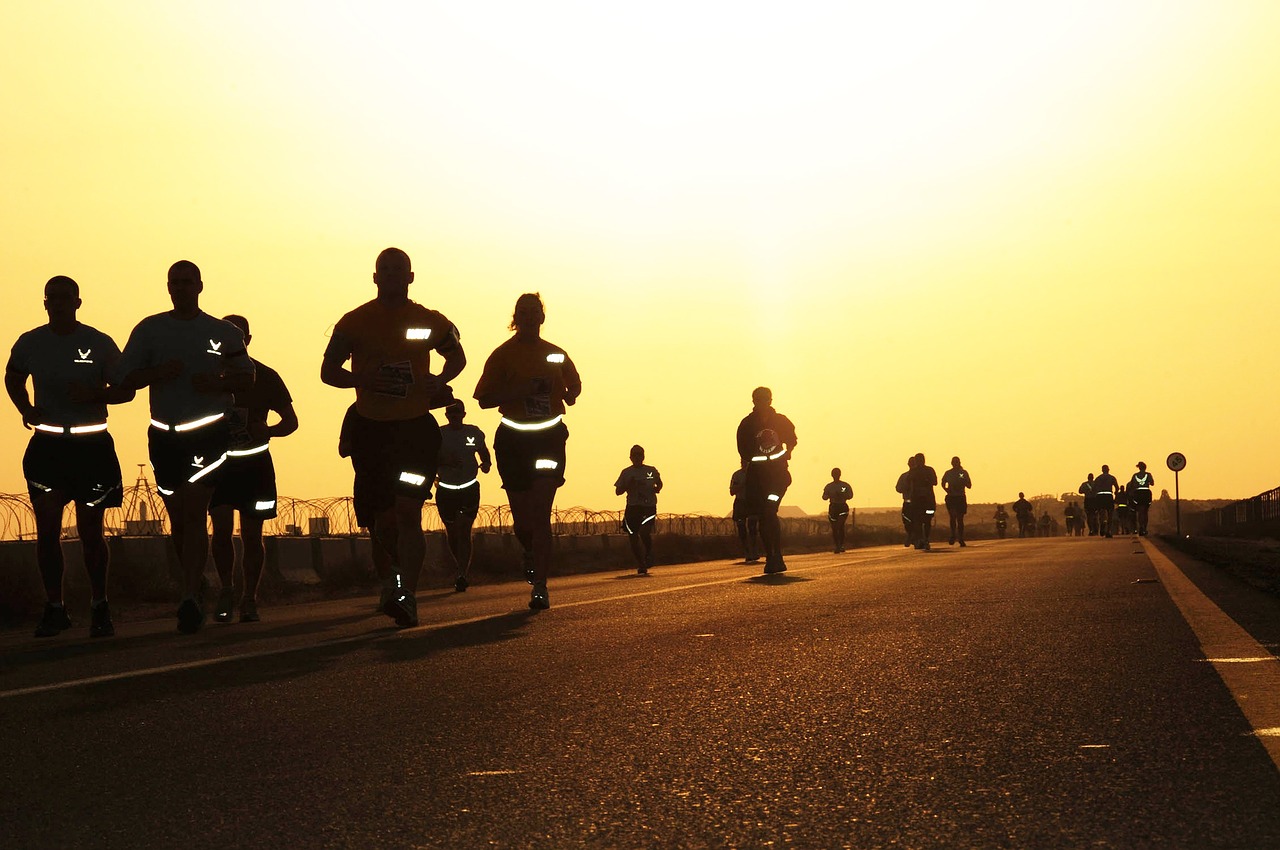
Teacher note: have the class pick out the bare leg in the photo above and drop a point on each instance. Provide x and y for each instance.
(222, 545)
(48, 511)
(94, 545)
(255, 555)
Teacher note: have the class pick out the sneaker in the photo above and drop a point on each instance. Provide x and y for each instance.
(100, 624)
(962, 543)
(538, 599)
(774, 565)
(403, 609)
(54, 621)
(190, 616)
(460, 584)
(226, 600)
(642, 571)
(249, 611)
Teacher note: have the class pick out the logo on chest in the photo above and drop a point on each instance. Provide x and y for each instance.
(215, 347)
(84, 355)
(471, 442)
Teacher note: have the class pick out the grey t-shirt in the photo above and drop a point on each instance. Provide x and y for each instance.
(458, 449)
(203, 344)
(56, 363)
(641, 485)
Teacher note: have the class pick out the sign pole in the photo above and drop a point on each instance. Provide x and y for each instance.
(1177, 462)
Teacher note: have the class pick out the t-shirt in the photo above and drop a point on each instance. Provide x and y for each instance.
(954, 481)
(641, 484)
(921, 482)
(838, 492)
(758, 421)
(458, 450)
(397, 340)
(516, 364)
(1141, 481)
(1105, 484)
(56, 362)
(203, 344)
(252, 405)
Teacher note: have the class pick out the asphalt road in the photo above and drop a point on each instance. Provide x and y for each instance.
(1021, 694)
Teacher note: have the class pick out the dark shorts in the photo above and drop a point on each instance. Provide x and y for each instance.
(248, 484)
(524, 456)
(767, 483)
(638, 518)
(392, 458)
(838, 513)
(1141, 498)
(456, 505)
(1104, 502)
(188, 457)
(957, 505)
(82, 468)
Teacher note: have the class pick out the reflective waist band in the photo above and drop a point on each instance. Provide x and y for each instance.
(188, 426)
(458, 486)
(762, 458)
(96, 428)
(532, 426)
(246, 452)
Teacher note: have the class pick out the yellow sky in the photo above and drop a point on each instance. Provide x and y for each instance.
(1039, 236)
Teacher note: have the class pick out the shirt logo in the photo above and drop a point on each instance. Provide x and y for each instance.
(213, 348)
(84, 355)
(648, 476)
(197, 461)
(471, 441)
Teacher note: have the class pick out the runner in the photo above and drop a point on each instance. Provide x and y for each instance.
(193, 364)
(838, 493)
(530, 381)
(393, 438)
(1140, 496)
(747, 524)
(71, 457)
(247, 484)
(1104, 489)
(458, 485)
(1026, 515)
(641, 484)
(924, 504)
(954, 482)
(766, 440)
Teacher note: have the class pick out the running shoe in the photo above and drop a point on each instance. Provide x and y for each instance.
(100, 624)
(403, 609)
(54, 621)
(190, 616)
(460, 584)
(226, 600)
(249, 611)
(774, 565)
(538, 599)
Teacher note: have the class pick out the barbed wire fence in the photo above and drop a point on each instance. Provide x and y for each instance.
(143, 514)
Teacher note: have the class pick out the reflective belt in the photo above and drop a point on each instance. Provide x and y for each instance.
(458, 486)
(545, 463)
(246, 452)
(96, 428)
(762, 458)
(532, 426)
(188, 426)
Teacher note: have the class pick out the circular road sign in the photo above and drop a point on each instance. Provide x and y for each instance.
(1177, 461)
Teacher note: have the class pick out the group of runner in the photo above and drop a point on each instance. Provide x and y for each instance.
(209, 445)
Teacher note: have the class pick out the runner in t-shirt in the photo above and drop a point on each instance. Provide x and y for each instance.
(954, 482)
(838, 493)
(1140, 496)
(1104, 490)
(71, 457)
(766, 440)
(530, 381)
(193, 364)
(743, 519)
(248, 483)
(641, 483)
(394, 439)
(458, 485)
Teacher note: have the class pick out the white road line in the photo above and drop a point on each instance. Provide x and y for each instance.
(1255, 687)
(369, 637)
